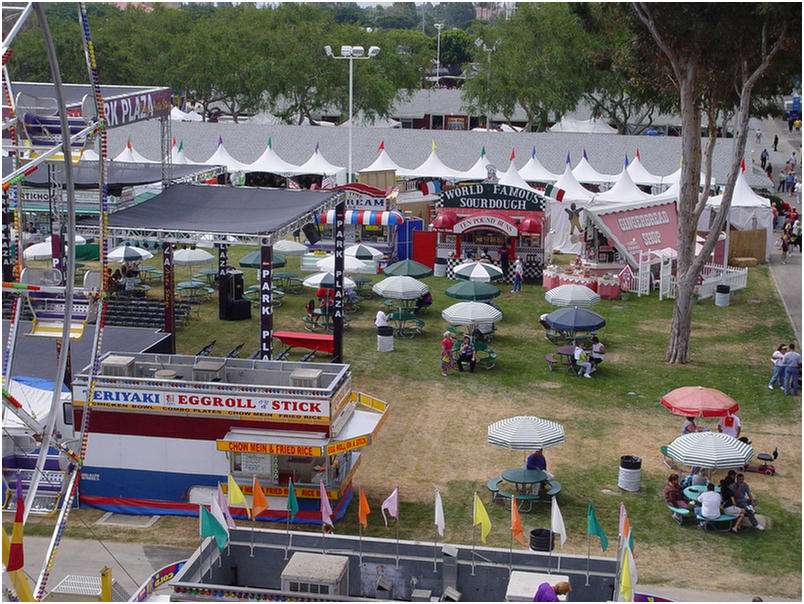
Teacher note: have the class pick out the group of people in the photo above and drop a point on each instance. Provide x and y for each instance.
(786, 368)
(729, 424)
(788, 183)
(465, 354)
(588, 361)
(734, 499)
(790, 237)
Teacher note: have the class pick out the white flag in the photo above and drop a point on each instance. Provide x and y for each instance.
(391, 504)
(217, 513)
(557, 523)
(439, 513)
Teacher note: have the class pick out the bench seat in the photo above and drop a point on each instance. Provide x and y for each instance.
(715, 524)
(680, 512)
(493, 485)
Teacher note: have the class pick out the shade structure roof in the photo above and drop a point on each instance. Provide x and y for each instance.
(568, 124)
(409, 268)
(471, 313)
(325, 280)
(254, 260)
(224, 210)
(743, 196)
(350, 264)
(478, 171)
(432, 167)
(224, 158)
(477, 271)
(525, 432)
(575, 320)
(290, 248)
(695, 401)
(472, 290)
(269, 161)
(640, 175)
(710, 450)
(317, 164)
(129, 155)
(573, 190)
(400, 287)
(512, 178)
(362, 251)
(128, 253)
(534, 171)
(623, 189)
(584, 172)
(381, 164)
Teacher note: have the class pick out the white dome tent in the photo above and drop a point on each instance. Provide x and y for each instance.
(383, 162)
(269, 161)
(585, 173)
(432, 167)
(317, 164)
(129, 155)
(563, 234)
(222, 157)
(623, 190)
(479, 170)
(640, 175)
(534, 171)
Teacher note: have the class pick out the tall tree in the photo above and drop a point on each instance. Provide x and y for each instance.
(713, 55)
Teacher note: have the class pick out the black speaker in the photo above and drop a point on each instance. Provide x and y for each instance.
(236, 310)
(231, 287)
(311, 232)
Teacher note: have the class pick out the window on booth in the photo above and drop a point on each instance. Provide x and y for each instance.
(437, 122)
(493, 240)
(246, 465)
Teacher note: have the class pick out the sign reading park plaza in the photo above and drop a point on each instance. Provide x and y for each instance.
(488, 196)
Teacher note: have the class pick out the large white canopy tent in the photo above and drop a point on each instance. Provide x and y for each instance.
(317, 164)
(222, 157)
(568, 124)
(563, 234)
(534, 171)
(623, 190)
(432, 167)
(641, 176)
(382, 163)
(585, 173)
(270, 161)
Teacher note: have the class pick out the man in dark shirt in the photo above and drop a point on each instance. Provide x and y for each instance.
(536, 461)
(467, 354)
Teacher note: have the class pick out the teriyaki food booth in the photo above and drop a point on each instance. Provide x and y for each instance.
(164, 430)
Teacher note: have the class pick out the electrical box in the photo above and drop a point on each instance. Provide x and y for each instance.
(118, 365)
(305, 378)
(323, 574)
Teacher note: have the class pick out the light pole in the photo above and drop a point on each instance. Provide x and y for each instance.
(439, 27)
(351, 53)
(481, 44)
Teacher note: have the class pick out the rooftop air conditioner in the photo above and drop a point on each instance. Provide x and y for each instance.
(305, 378)
(118, 366)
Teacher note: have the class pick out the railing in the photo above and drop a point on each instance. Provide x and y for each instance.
(718, 274)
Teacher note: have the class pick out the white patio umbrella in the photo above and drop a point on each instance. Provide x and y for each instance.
(128, 253)
(286, 247)
(350, 264)
(38, 251)
(713, 450)
(209, 240)
(400, 288)
(362, 251)
(477, 271)
(572, 294)
(79, 240)
(525, 432)
(326, 280)
(471, 313)
(192, 257)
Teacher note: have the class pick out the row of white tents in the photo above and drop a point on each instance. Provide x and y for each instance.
(748, 210)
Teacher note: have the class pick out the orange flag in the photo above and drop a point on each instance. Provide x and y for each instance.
(516, 524)
(363, 509)
(258, 501)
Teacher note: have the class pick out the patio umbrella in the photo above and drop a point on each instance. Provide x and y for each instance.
(574, 320)
(325, 280)
(697, 401)
(79, 240)
(350, 264)
(208, 240)
(128, 253)
(400, 288)
(471, 313)
(363, 252)
(572, 294)
(713, 450)
(407, 268)
(38, 251)
(525, 432)
(290, 248)
(254, 260)
(472, 290)
(192, 257)
(477, 271)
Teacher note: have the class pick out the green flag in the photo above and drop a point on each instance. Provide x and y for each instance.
(594, 528)
(293, 505)
(211, 527)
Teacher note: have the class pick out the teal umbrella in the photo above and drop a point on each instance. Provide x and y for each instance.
(473, 290)
(253, 260)
(407, 268)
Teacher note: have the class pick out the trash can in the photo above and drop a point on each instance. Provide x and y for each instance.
(541, 540)
(385, 339)
(722, 295)
(440, 267)
(630, 472)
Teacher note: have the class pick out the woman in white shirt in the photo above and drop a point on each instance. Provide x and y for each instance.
(778, 368)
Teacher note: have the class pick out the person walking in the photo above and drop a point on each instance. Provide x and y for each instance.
(775, 143)
(782, 181)
(792, 369)
(763, 158)
(778, 368)
(517, 276)
(784, 245)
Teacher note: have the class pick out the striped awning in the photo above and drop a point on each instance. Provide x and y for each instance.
(369, 217)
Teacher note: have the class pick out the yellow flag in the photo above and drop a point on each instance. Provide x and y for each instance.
(481, 518)
(626, 590)
(236, 495)
(432, 144)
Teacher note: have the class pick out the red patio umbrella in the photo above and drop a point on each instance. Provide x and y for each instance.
(695, 401)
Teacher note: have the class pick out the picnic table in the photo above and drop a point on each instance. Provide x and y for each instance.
(406, 324)
(360, 285)
(523, 479)
(207, 275)
(283, 278)
(311, 341)
(150, 272)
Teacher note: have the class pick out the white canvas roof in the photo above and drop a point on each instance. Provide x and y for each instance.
(432, 167)
(534, 171)
(573, 190)
(269, 161)
(623, 190)
(382, 163)
(128, 154)
(178, 114)
(568, 124)
(584, 172)
(222, 157)
(478, 171)
(512, 178)
(640, 175)
(317, 164)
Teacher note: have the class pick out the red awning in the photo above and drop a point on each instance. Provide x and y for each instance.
(530, 225)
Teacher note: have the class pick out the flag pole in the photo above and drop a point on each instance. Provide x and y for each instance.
(511, 555)
(360, 524)
(435, 549)
(550, 549)
(397, 539)
(588, 554)
(473, 549)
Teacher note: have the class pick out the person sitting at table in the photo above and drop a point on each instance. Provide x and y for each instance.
(730, 506)
(598, 349)
(309, 308)
(537, 461)
(689, 425)
(115, 279)
(743, 499)
(467, 354)
(674, 496)
(381, 319)
(423, 301)
(710, 503)
(550, 593)
(582, 360)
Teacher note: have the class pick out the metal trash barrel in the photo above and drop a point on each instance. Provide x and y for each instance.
(542, 540)
(440, 267)
(722, 295)
(630, 472)
(385, 339)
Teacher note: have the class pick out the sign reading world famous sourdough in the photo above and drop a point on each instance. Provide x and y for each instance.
(487, 196)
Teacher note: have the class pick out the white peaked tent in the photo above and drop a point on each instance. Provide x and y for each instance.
(623, 190)
(382, 163)
(221, 157)
(584, 172)
(534, 171)
(89, 155)
(361, 121)
(129, 155)
(177, 155)
(567, 124)
(179, 115)
(512, 178)
(317, 164)
(432, 167)
(640, 175)
(748, 211)
(675, 178)
(564, 219)
(269, 161)
(478, 171)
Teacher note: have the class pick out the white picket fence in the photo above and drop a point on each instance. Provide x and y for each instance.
(712, 275)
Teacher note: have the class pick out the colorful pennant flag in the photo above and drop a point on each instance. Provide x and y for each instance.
(258, 501)
(637, 152)
(439, 513)
(392, 505)
(128, 142)
(236, 495)
(293, 504)
(483, 152)
(584, 155)
(432, 145)
(626, 160)
(481, 517)
(557, 523)
(593, 527)
(210, 527)
(269, 142)
(431, 187)
(326, 508)
(16, 557)
(554, 192)
(326, 182)
(626, 582)
(568, 158)
(742, 165)
(363, 509)
(316, 148)
(220, 140)
(624, 528)
(533, 152)
(292, 184)
(224, 506)
(174, 141)
(382, 146)
(513, 155)
(516, 524)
